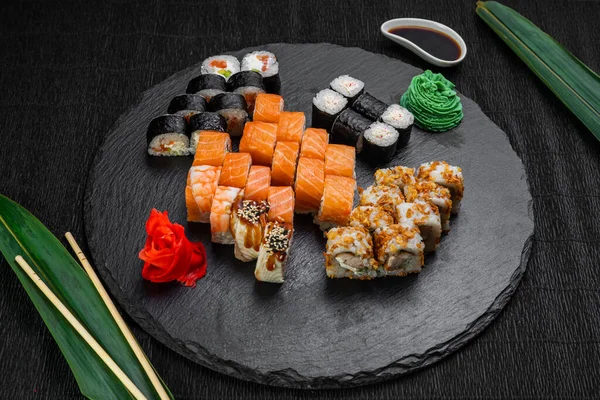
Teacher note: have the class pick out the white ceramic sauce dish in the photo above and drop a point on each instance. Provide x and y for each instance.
(424, 23)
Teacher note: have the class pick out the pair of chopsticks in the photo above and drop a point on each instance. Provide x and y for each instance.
(85, 335)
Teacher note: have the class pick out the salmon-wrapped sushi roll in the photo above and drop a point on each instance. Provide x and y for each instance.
(203, 182)
(285, 157)
(446, 175)
(386, 197)
(349, 253)
(398, 176)
(310, 180)
(259, 140)
(399, 250)
(220, 214)
(259, 181)
(236, 167)
(267, 107)
(314, 143)
(426, 217)
(291, 126)
(336, 203)
(211, 148)
(340, 160)
(281, 204)
(371, 218)
(248, 220)
(273, 252)
(434, 194)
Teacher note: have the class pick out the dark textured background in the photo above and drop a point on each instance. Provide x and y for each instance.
(69, 69)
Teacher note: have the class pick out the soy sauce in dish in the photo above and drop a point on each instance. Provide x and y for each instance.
(436, 43)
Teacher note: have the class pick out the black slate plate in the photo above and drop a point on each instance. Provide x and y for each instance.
(312, 332)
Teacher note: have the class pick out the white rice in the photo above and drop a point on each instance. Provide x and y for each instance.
(330, 101)
(252, 62)
(347, 85)
(233, 66)
(169, 144)
(397, 116)
(381, 134)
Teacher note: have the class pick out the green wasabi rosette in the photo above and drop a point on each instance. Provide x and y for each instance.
(434, 103)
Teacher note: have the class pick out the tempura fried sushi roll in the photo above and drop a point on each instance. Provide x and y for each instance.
(273, 252)
(314, 143)
(249, 84)
(326, 106)
(349, 128)
(259, 140)
(266, 64)
(281, 204)
(248, 219)
(291, 126)
(424, 216)
(187, 105)
(446, 175)
(220, 214)
(223, 65)
(369, 106)
(206, 121)
(203, 181)
(349, 253)
(336, 203)
(268, 107)
(211, 148)
(348, 87)
(398, 176)
(371, 218)
(167, 136)
(310, 180)
(259, 181)
(399, 250)
(207, 86)
(386, 197)
(236, 167)
(285, 160)
(233, 107)
(340, 160)
(432, 193)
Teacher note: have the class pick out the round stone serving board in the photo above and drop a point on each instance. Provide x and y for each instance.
(313, 332)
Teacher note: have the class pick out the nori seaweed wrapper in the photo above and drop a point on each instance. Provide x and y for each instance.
(167, 123)
(207, 121)
(369, 106)
(348, 129)
(244, 79)
(375, 154)
(187, 102)
(272, 84)
(227, 100)
(403, 137)
(206, 81)
(322, 119)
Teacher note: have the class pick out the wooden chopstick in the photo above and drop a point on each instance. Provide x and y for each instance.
(80, 329)
(139, 353)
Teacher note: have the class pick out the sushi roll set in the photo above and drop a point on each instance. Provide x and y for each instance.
(399, 218)
(249, 197)
(356, 118)
(222, 98)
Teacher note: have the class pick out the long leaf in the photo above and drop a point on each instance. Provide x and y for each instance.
(576, 86)
(23, 234)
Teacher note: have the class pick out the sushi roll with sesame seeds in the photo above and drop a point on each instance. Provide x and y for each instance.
(399, 250)
(349, 253)
(273, 252)
(220, 65)
(248, 220)
(379, 143)
(400, 119)
(326, 106)
(348, 87)
(207, 86)
(424, 216)
(446, 175)
(167, 136)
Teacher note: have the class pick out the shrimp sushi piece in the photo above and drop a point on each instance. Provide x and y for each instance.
(248, 220)
(310, 179)
(257, 186)
(273, 252)
(386, 197)
(259, 140)
(336, 204)
(314, 143)
(220, 214)
(340, 160)
(193, 212)
(268, 107)
(211, 148)
(236, 167)
(446, 175)
(291, 126)
(398, 176)
(281, 204)
(203, 181)
(283, 169)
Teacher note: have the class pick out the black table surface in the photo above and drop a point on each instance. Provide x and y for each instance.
(69, 69)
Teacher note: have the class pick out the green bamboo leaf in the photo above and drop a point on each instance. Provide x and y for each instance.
(23, 234)
(576, 86)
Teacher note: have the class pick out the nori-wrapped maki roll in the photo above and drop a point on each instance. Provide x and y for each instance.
(402, 120)
(327, 105)
(379, 143)
(207, 85)
(224, 65)
(187, 105)
(348, 87)
(369, 106)
(249, 84)
(348, 129)
(167, 136)
(206, 121)
(233, 107)
(265, 63)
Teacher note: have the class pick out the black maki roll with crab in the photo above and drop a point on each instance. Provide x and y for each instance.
(348, 129)
(233, 107)
(369, 106)
(207, 85)
(249, 84)
(187, 105)
(167, 136)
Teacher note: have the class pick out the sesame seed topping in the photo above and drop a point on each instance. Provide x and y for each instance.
(277, 239)
(252, 210)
